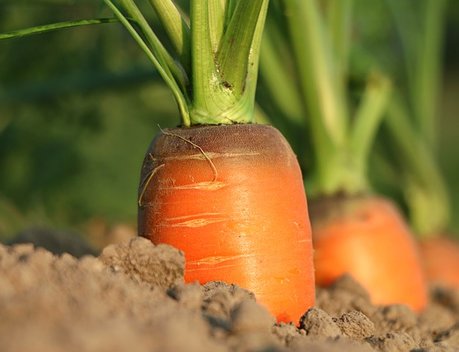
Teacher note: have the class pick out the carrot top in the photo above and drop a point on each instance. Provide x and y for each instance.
(412, 113)
(315, 35)
(212, 66)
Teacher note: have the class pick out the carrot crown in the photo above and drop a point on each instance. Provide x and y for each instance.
(212, 68)
(319, 45)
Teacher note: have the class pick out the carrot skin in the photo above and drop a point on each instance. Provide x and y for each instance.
(232, 199)
(440, 256)
(367, 238)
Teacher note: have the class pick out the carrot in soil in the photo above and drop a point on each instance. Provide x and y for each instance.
(411, 123)
(227, 192)
(367, 237)
(232, 198)
(354, 231)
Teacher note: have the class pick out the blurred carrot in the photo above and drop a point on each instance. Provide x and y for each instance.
(366, 236)
(441, 260)
(411, 124)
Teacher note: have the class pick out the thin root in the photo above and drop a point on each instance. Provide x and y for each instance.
(212, 165)
(146, 182)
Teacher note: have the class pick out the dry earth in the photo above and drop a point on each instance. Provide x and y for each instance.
(133, 298)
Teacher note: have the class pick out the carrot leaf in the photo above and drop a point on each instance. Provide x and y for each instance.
(176, 26)
(317, 70)
(153, 54)
(425, 189)
(368, 118)
(339, 17)
(281, 83)
(54, 27)
(237, 43)
(421, 40)
(224, 80)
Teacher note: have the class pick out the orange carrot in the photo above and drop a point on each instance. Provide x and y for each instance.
(226, 192)
(367, 238)
(440, 256)
(232, 198)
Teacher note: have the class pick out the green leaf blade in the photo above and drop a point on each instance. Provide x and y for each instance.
(54, 27)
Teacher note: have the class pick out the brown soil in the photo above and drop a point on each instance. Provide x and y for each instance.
(132, 298)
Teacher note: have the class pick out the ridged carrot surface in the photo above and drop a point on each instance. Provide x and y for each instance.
(367, 238)
(232, 198)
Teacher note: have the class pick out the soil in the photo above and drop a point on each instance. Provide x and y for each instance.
(133, 298)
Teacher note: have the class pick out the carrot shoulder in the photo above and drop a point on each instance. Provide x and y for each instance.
(232, 198)
(367, 238)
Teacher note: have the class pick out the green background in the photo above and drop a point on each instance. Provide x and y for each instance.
(79, 107)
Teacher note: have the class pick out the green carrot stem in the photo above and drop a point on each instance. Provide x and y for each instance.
(313, 63)
(280, 81)
(224, 82)
(336, 168)
(368, 118)
(237, 43)
(339, 22)
(421, 40)
(162, 68)
(177, 28)
(163, 56)
(214, 80)
(208, 90)
(217, 22)
(317, 71)
(413, 127)
(425, 188)
(426, 78)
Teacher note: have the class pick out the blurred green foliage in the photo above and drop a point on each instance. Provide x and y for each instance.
(79, 107)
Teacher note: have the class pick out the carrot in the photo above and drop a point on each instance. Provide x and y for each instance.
(354, 231)
(232, 198)
(226, 192)
(411, 123)
(440, 256)
(368, 238)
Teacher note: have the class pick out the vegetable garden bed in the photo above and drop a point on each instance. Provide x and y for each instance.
(132, 297)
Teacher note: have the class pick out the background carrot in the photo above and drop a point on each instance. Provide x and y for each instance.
(441, 260)
(354, 231)
(227, 193)
(411, 129)
(368, 238)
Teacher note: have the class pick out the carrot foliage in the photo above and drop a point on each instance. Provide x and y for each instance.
(54, 27)
(212, 68)
(413, 112)
(210, 60)
(316, 38)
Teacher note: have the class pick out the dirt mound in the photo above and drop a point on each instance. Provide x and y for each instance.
(133, 298)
